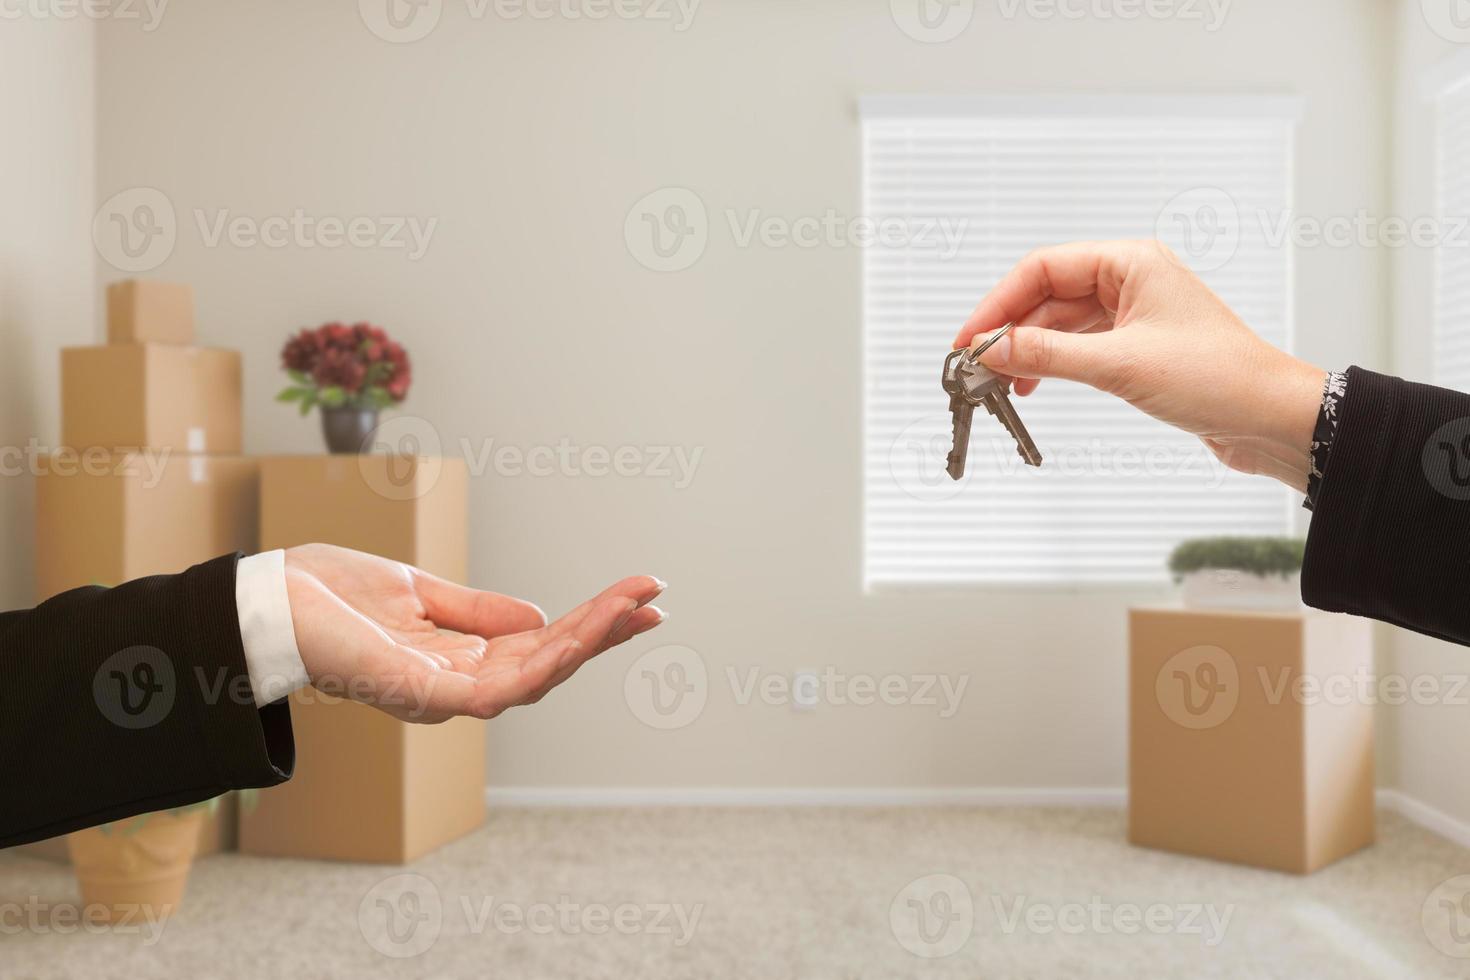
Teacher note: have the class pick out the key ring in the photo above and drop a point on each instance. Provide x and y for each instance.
(975, 354)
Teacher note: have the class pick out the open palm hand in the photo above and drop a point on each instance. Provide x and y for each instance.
(425, 650)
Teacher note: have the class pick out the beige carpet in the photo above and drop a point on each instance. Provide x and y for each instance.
(839, 893)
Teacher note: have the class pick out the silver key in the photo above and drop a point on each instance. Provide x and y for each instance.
(962, 412)
(970, 383)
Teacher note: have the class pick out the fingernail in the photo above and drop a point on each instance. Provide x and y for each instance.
(661, 614)
(660, 583)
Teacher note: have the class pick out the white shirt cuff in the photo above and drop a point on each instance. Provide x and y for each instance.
(269, 638)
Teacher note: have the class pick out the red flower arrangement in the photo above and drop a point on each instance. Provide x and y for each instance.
(337, 366)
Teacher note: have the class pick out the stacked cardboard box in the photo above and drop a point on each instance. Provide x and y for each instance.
(151, 480)
(421, 786)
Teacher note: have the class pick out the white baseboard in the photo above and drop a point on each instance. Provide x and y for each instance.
(774, 796)
(1450, 828)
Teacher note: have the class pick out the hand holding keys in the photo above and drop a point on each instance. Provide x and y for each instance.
(969, 383)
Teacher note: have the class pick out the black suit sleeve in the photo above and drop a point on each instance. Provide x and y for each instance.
(1390, 533)
(121, 701)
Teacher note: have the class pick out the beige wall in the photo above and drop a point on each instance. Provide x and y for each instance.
(47, 266)
(530, 322)
(1427, 739)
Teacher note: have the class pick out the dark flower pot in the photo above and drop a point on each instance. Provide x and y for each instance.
(347, 429)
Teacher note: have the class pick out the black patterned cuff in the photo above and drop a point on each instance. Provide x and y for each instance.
(1334, 393)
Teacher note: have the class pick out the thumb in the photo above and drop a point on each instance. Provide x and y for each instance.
(1038, 352)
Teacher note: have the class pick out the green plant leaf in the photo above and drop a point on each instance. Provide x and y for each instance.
(300, 377)
(1258, 556)
(332, 396)
(291, 394)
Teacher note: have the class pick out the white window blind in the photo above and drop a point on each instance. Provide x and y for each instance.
(1452, 259)
(1117, 489)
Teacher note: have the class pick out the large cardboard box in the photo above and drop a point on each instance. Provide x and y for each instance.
(368, 787)
(1251, 735)
(142, 311)
(151, 396)
(104, 518)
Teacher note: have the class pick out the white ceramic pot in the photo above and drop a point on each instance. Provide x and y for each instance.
(1228, 588)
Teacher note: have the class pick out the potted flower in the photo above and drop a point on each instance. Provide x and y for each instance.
(141, 864)
(1251, 573)
(351, 373)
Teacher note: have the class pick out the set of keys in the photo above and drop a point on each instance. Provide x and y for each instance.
(969, 384)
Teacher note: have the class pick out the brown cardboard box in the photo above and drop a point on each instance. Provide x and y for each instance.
(368, 787)
(1251, 735)
(142, 311)
(151, 396)
(103, 518)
